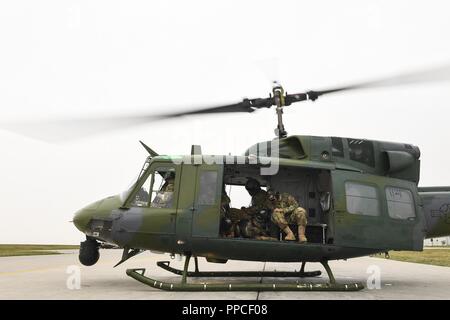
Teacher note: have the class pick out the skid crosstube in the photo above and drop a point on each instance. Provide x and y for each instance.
(294, 274)
(138, 274)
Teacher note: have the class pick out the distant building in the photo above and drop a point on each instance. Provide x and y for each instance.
(437, 242)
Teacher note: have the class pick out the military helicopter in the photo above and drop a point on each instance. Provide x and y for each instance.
(361, 197)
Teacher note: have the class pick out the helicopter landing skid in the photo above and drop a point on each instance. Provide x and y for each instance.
(138, 274)
(211, 274)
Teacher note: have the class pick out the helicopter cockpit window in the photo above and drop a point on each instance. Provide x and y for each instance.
(163, 188)
(361, 199)
(157, 190)
(400, 203)
(142, 196)
(337, 147)
(124, 195)
(361, 151)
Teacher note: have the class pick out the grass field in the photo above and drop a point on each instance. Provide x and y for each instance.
(7, 250)
(437, 257)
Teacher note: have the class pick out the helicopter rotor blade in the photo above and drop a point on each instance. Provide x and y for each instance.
(246, 106)
(67, 129)
(61, 130)
(57, 130)
(438, 74)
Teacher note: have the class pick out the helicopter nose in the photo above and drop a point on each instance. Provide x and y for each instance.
(99, 210)
(81, 219)
(83, 216)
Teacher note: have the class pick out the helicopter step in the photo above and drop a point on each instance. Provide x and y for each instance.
(138, 274)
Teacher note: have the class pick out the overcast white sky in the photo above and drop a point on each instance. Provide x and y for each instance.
(66, 58)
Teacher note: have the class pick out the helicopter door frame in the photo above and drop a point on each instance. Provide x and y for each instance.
(158, 220)
(370, 225)
(207, 200)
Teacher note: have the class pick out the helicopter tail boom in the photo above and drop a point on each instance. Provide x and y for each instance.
(436, 206)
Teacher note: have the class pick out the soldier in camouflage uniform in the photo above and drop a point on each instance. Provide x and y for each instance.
(257, 214)
(226, 212)
(164, 197)
(224, 204)
(226, 223)
(230, 217)
(287, 211)
(169, 183)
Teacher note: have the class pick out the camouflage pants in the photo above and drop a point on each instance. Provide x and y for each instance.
(251, 227)
(255, 230)
(237, 215)
(282, 220)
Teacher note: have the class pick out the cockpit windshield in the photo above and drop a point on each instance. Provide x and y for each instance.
(124, 195)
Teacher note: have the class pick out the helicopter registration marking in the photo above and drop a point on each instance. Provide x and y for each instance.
(443, 212)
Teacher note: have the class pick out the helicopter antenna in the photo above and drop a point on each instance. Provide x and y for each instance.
(278, 94)
(149, 150)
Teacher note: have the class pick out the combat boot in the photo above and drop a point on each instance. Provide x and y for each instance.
(301, 234)
(289, 234)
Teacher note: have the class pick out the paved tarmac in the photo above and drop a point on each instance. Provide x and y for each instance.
(58, 276)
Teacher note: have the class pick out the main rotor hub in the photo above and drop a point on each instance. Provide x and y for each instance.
(278, 94)
(279, 99)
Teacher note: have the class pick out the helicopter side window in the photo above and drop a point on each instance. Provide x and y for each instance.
(400, 203)
(361, 199)
(361, 151)
(337, 147)
(208, 188)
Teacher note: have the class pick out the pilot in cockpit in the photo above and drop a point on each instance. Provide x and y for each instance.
(164, 196)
